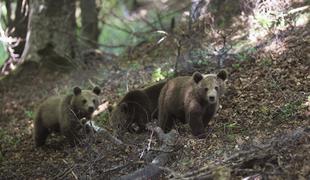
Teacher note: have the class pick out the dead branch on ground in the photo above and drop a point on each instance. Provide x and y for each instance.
(154, 170)
(262, 160)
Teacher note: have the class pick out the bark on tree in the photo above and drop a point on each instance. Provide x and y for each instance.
(18, 26)
(51, 32)
(89, 13)
(17, 29)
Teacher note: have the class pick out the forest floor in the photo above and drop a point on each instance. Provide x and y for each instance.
(266, 97)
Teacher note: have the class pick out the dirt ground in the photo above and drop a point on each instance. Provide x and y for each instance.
(267, 96)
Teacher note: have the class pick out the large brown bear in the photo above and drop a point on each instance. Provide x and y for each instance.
(135, 109)
(191, 99)
(64, 113)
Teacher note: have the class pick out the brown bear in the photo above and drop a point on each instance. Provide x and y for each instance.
(191, 99)
(64, 113)
(135, 109)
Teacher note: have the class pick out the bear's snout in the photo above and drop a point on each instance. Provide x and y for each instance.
(91, 109)
(212, 99)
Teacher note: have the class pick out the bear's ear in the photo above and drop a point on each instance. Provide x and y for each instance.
(77, 91)
(124, 107)
(197, 77)
(96, 90)
(222, 75)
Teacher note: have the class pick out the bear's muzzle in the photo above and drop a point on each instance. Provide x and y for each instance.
(91, 109)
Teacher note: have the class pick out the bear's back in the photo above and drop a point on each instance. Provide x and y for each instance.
(50, 111)
(175, 91)
(153, 92)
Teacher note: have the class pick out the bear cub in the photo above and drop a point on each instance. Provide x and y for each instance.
(191, 99)
(136, 109)
(64, 113)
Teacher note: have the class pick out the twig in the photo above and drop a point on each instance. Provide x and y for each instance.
(90, 164)
(110, 137)
(154, 169)
(74, 175)
(116, 168)
(148, 146)
(65, 172)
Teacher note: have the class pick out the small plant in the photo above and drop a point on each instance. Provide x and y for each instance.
(264, 21)
(242, 56)
(158, 74)
(266, 62)
(288, 110)
(252, 50)
(120, 92)
(236, 66)
(229, 128)
(134, 66)
(203, 62)
(103, 118)
(199, 53)
(29, 114)
(265, 110)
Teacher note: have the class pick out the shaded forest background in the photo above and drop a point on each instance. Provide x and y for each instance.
(261, 131)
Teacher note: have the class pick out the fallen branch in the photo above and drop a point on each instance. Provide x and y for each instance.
(91, 126)
(101, 109)
(245, 162)
(154, 170)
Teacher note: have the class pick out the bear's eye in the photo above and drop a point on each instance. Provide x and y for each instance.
(206, 89)
(216, 88)
(84, 101)
(94, 101)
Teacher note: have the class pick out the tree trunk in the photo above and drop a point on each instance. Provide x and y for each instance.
(89, 13)
(19, 24)
(51, 34)
(17, 29)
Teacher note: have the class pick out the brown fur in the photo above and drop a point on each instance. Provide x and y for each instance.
(191, 99)
(63, 114)
(137, 107)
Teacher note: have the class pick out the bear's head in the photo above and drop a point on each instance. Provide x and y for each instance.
(85, 102)
(123, 118)
(210, 87)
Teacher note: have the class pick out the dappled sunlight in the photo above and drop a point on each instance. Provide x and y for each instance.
(275, 17)
(275, 46)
